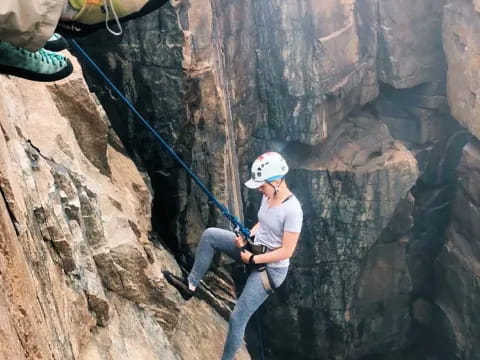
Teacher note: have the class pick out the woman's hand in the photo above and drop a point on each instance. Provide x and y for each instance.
(245, 256)
(240, 241)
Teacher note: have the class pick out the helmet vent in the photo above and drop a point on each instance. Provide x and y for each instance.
(270, 165)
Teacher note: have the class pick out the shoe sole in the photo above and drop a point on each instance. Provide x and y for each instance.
(178, 284)
(56, 45)
(200, 293)
(34, 76)
(76, 29)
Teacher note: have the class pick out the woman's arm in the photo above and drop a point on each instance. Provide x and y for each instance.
(289, 243)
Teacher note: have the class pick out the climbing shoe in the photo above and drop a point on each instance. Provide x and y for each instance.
(56, 43)
(181, 283)
(42, 65)
(93, 15)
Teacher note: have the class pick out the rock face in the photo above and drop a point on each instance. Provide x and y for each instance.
(458, 265)
(410, 50)
(349, 283)
(370, 113)
(420, 118)
(292, 76)
(249, 77)
(301, 70)
(183, 88)
(79, 277)
(460, 33)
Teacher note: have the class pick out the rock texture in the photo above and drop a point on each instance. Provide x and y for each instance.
(420, 118)
(301, 70)
(410, 48)
(291, 76)
(79, 277)
(460, 34)
(458, 265)
(370, 101)
(183, 88)
(456, 269)
(348, 289)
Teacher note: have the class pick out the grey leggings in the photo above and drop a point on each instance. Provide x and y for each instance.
(253, 294)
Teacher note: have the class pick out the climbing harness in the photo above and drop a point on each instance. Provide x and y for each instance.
(239, 227)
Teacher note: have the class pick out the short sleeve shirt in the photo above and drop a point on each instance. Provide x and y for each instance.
(274, 221)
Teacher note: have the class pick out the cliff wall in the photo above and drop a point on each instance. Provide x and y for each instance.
(372, 102)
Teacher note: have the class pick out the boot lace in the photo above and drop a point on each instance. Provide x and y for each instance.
(44, 56)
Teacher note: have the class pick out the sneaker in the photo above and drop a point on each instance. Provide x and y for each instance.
(42, 65)
(56, 43)
(180, 283)
(95, 15)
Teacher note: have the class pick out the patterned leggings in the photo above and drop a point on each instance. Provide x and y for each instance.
(253, 294)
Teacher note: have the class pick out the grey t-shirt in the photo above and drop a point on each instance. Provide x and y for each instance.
(274, 221)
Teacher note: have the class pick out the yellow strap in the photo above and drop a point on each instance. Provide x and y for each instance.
(76, 4)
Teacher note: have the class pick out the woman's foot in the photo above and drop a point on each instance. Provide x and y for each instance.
(41, 65)
(82, 17)
(181, 284)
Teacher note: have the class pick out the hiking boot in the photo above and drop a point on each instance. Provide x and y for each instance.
(180, 283)
(100, 14)
(42, 65)
(56, 43)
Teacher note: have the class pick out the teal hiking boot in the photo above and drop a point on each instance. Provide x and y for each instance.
(42, 65)
(56, 43)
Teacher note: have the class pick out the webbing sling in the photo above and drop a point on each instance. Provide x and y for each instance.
(237, 224)
(266, 282)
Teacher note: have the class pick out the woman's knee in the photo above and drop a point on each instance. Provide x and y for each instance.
(207, 235)
(214, 236)
(209, 232)
(218, 233)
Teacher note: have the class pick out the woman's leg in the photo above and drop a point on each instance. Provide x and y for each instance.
(212, 240)
(253, 295)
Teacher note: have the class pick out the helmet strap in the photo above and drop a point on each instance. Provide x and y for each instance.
(275, 188)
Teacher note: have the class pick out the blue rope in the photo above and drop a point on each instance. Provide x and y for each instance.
(234, 220)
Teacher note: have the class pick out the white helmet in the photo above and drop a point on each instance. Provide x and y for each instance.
(267, 167)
